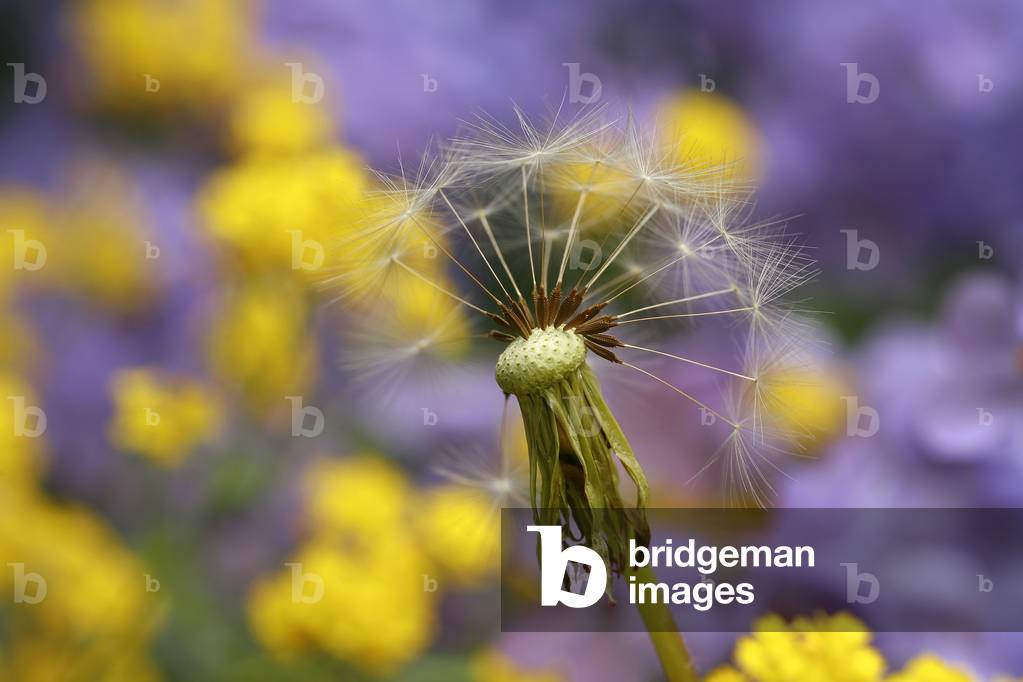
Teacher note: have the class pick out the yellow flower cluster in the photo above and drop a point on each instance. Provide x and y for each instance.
(197, 50)
(280, 212)
(493, 666)
(929, 668)
(20, 456)
(75, 600)
(289, 209)
(81, 242)
(460, 530)
(825, 649)
(367, 601)
(363, 587)
(267, 120)
(271, 214)
(72, 598)
(91, 618)
(261, 347)
(23, 218)
(161, 418)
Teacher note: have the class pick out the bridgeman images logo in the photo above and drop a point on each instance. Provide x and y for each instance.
(702, 594)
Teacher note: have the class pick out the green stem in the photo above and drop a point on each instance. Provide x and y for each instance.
(664, 634)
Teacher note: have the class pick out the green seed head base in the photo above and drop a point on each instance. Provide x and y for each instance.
(533, 364)
(575, 447)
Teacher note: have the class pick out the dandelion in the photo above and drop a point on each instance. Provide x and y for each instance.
(677, 249)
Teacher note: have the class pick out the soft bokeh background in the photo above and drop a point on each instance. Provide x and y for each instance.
(186, 524)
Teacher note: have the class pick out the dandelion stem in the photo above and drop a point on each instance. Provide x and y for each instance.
(664, 635)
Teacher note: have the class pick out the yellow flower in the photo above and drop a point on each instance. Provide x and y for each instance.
(359, 494)
(38, 658)
(493, 666)
(823, 648)
(161, 418)
(260, 345)
(197, 50)
(363, 603)
(20, 458)
(705, 130)
(360, 588)
(99, 254)
(460, 529)
(23, 218)
(83, 241)
(267, 120)
(929, 668)
(281, 213)
(86, 586)
(806, 402)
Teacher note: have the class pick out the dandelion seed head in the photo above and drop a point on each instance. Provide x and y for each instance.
(570, 240)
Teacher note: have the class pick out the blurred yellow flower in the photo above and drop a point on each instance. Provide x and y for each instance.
(424, 313)
(18, 344)
(368, 604)
(281, 213)
(23, 220)
(84, 241)
(608, 192)
(37, 657)
(823, 648)
(20, 457)
(360, 588)
(929, 668)
(806, 402)
(73, 585)
(267, 120)
(152, 55)
(260, 345)
(705, 130)
(460, 529)
(361, 494)
(99, 254)
(161, 418)
(493, 666)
